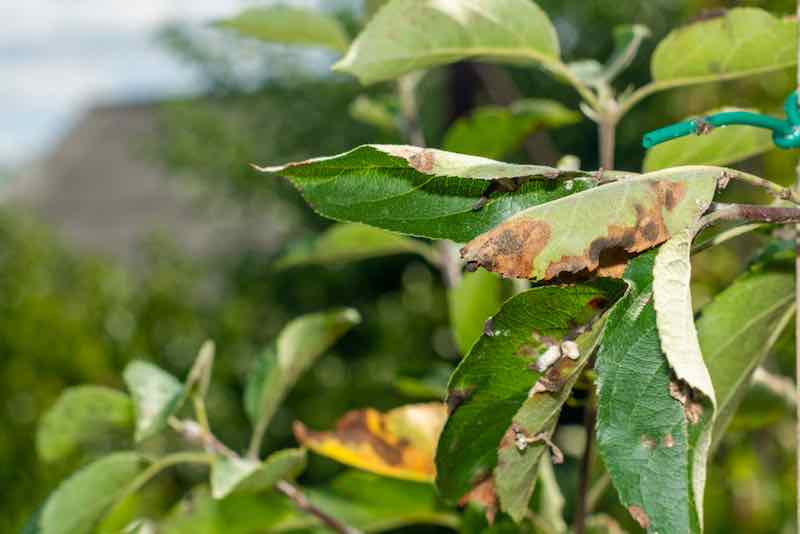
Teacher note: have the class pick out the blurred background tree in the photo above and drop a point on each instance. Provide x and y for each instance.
(69, 317)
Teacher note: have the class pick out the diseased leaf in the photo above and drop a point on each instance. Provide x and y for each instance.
(399, 443)
(494, 131)
(494, 380)
(156, 396)
(409, 35)
(742, 42)
(242, 475)
(347, 242)
(648, 426)
(472, 301)
(425, 192)
(299, 344)
(528, 437)
(79, 503)
(740, 326)
(721, 146)
(672, 299)
(595, 230)
(83, 415)
(289, 25)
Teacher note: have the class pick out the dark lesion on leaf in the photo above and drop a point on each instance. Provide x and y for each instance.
(638, 513)
(456, 397)
(683, 393)
(484, 495)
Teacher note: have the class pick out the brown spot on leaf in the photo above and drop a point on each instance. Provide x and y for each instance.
(648, 442)
(638, 514)
(353, 429)
(488, 327)
(422, 160)
(668, 441)
(484, 495)
(682, 392)
(509, 249)
(555, 377)
(455, 398)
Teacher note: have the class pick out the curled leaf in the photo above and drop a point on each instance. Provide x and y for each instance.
(242, 475)
(595, 230)
(399, 443)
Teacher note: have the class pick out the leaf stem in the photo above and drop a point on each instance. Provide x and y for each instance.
(300, 500)
(780, 386)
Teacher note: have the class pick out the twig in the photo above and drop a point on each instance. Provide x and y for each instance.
(776, 190)
(780, 386)
(301, 501)
(406, 91)
(196, 433)
(597, 491)
(719, 211)
(449, 263)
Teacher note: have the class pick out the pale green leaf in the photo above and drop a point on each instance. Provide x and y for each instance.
(595, 229)
(376, 113)
(408, 35)
(348, 242)
(497, 376)
(494, 131)
(297, 347)
(551, 501)
(289, 25)
(742, 42)
(83, 416)
(425, 192)
(156, 396)
(518, 464)
(242, 475)
(672, 300)
(80, 502)
(721, 146)
(475, 298)
(741, 325)
(199, 377)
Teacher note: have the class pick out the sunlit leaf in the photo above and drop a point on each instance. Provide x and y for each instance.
(425, 192)
(648, 425)
(494, 131)
(740, 326)
(80, 502)
(399, 443)
(242, 475)
(497, 376)
(472, 301)
(347, 242)
(595, 230)
(289, 25)
(526, 439)
(721, 146)
(408, 35)
(83, 415)
(742, 42)
(298, 346)
(156, 396)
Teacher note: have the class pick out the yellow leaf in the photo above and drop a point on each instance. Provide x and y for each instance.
(400, 443)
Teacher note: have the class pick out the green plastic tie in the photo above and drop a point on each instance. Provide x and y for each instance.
(785, 132)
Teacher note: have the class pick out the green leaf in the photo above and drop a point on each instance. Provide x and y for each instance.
(597, 229)
(551, 500)
(494, 131)
(740, 326)
(409, 35)
(424, 192)
(721, 146)
(80, 502)
(289, 25)
(742, 42)
(643, 431)
(494, 380)
(525, 441)
(83, 415)
(297, 347)
(472, 301)
(241, 475)
(199, 377)
(156, 396)
(430, 386)
(348, 242)
(672, 300)
(627, 40)
(376, 112)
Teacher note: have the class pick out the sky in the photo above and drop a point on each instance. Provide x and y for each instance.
(59, 57)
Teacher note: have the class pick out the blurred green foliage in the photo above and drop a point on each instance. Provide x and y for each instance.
(68, 318)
